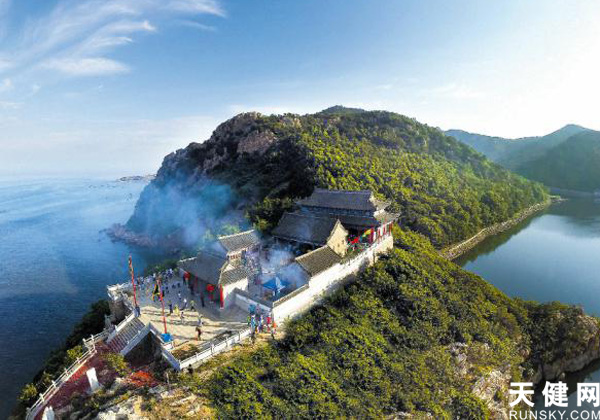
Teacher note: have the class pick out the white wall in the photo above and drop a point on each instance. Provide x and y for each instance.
(228, 297)
(321, 284)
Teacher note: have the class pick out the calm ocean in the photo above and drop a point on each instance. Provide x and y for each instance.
(54, 262)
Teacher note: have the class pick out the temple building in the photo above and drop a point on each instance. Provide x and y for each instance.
(360, 213)
(312, 230)
(221, 268)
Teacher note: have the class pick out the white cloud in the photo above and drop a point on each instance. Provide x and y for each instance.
(86, 66)
(198, 25)
(77, 37)
(210, 7)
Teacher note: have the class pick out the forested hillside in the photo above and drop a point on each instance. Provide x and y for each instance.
(416, 334)
(256, 165)
(568, 158)
(574, 164)
(515, 153)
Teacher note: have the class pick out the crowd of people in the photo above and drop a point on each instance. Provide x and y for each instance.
(176, 304)
(259, 323)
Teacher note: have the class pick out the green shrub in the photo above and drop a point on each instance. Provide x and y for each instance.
(29, 394)
(117, 362)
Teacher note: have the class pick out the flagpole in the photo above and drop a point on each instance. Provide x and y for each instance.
(132, 282)
(162, 302)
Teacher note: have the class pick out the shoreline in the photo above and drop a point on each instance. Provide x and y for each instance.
(456, 250)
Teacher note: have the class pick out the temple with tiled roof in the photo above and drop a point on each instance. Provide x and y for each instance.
(312, 230)
(236, 245)
(361, 213)
(220, 268)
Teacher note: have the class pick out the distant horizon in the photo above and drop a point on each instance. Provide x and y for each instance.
(113, 87)
(98, 174)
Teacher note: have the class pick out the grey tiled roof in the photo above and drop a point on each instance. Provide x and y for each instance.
(211, 268)
(236, 274)
(304, 227)
(319, 260)
(239, 241)
(340, 199)
(205, 266)
(364, 221)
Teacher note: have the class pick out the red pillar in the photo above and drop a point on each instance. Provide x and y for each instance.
(162, 302)
(132, 282)
(221, 296)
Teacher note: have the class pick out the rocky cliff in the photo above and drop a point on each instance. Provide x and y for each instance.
(253, 166)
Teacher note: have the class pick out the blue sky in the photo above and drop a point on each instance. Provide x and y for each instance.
(108, 87)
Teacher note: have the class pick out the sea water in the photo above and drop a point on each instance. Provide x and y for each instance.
(54, 262)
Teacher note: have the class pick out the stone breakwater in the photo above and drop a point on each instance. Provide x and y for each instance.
(454, 251)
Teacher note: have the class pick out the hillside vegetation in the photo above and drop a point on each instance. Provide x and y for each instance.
(257, 164)
(568, 158)
(415, 333)
(514, 153)
(574, 164)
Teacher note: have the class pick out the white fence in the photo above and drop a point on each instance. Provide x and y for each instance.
(57, 383)
(120, 326)
(216, 348)
(135, 340)
(95, 339)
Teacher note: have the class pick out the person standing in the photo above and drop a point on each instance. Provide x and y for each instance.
(202, 299)
(273, 330)
(199, 332)
(170, 307)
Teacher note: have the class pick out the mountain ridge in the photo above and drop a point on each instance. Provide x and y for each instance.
(566, 158)
(257, 165)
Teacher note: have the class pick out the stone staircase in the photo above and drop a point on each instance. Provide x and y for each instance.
(123, 337)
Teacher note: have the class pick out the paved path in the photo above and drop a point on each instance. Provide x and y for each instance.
(214, 320)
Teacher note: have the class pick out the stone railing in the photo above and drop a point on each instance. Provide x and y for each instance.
(135, 340)
(95, 339)
(211, 349)
(120, 326)
(216, 348)
(115, 290)
(45, 396)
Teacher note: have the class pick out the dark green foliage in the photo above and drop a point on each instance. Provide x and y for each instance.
(557, 332)
(267, 213)
(574, 164)
(467, 407)
(381, 345)
(442, 188)
(514, 153)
